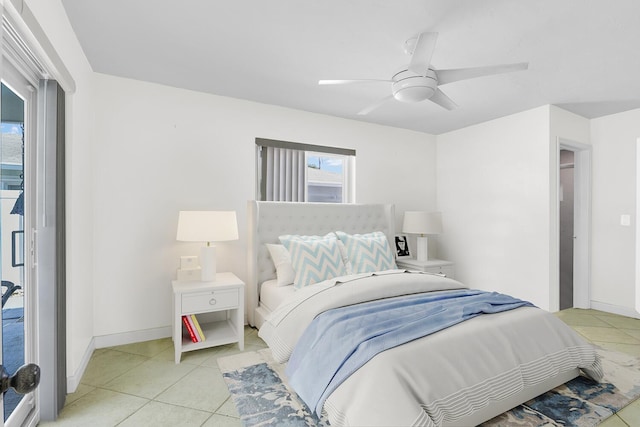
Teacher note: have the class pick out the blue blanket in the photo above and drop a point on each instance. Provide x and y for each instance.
(341, 340)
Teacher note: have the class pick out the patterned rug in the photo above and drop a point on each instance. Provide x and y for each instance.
(263, 398)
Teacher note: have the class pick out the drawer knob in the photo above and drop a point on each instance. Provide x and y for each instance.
(212, 301)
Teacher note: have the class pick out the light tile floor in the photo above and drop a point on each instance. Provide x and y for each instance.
(614, 333)
(140, 385)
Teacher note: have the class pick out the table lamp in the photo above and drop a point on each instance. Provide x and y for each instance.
(422, 223)
(207, 226)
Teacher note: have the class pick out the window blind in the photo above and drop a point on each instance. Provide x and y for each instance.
(282, 169)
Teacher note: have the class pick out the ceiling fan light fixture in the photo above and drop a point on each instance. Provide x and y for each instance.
(413, 93)
(411, 88)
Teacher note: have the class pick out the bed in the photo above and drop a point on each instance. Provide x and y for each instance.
(464, 374)
(269, 220)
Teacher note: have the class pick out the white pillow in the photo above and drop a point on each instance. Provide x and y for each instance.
(315, 258)
(368, 252)
(282, 261)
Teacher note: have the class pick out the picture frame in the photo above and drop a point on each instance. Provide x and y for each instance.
(402, 246)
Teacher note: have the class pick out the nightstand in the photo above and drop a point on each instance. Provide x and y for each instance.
(437, 266)
(219, 309)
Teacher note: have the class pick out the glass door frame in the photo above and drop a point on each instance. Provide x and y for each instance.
(25, 89)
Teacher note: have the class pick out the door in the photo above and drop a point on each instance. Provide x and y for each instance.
(17, 111)
(566, 228)
(39, 246)
(574, 234)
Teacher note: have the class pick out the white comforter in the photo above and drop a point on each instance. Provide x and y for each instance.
(441, 377)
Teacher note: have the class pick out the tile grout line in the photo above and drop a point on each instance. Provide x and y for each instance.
(133, 413)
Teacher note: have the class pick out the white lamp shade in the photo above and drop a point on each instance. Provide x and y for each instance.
(416, 222)
(207, 226)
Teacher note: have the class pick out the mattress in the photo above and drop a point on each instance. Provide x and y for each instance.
(271, 295)
(443, 378)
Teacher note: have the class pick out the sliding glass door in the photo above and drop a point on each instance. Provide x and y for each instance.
(32, 219)
(17, 113)
(11, 237)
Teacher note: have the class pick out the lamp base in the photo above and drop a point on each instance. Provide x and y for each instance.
(422, 245)
(208, 263)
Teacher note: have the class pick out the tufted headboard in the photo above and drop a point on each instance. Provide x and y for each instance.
(268, 220)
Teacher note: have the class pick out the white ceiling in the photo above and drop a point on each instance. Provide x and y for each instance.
(584, 55)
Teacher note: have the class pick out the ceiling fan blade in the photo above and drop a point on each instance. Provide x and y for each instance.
(443, 100)
(346, 82)
(422, 53)
(373, 106)
(450, 76)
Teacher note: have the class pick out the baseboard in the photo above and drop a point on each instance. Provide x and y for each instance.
(74, 380)
(615, 309)
(103, 341)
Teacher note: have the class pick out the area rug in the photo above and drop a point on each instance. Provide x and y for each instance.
(263, 398)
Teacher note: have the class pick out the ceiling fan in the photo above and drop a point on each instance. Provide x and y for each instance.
(420, 81)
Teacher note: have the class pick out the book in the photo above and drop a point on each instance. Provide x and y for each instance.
(198, 328)
(190, 329)
(193, 326)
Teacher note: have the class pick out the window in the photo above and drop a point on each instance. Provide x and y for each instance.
(326, 178)
(295, 172)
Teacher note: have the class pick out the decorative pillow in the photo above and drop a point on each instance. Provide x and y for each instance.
(368, 252)
(315, 258)
(282, 262)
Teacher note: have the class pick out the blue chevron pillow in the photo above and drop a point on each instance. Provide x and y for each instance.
(368, 252)
(315, 258)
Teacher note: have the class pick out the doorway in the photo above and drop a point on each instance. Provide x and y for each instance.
(566, 228)
(574, 219)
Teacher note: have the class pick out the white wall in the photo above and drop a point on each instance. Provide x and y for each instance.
(160, 150)
(493, 192)
(79, 131)
(497, 189)
(614, 193)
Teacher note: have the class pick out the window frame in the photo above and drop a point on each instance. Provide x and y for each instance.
(348, 185)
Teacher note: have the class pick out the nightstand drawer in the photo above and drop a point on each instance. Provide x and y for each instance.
(209, 301)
